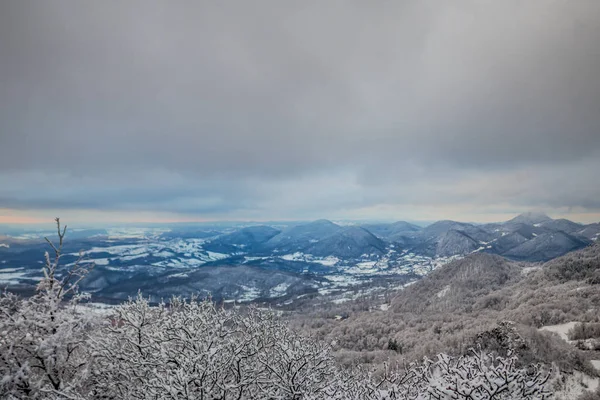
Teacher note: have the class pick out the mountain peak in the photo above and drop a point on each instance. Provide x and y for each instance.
(322, 222)
(531, 217)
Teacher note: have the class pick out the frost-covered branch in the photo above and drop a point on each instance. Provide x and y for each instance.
(42, 338)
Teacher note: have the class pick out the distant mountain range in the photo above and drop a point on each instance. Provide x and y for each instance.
(529, 237)
(286, 261)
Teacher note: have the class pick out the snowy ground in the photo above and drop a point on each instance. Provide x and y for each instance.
(562, 330)
(11, 276)
(576, 384)
(178, 253)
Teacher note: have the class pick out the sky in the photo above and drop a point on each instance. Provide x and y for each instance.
(279, 110)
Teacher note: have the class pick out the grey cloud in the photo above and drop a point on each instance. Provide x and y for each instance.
(346, 105)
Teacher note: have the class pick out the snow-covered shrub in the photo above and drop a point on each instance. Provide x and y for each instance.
(477, 376)
(193, 350)
(42, 338)
(584, 331)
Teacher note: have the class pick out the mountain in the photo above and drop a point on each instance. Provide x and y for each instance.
(457, 285)
(337, 258)
(454, 242)
(437, 229)
(352, 242)
(448, 238)
(530, 218)
(579, 265)
(562, 225)
(246, 239)
(467, 300)
(394, 232)
(297, 238)
(509, 240)
(546, 246)
(440, 227)
(591, 231)
(528, 231)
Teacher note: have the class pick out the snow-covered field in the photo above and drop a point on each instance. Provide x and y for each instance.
(329, 261)
(562, 330)
(135, 233)
(178, 253)
(11, 276)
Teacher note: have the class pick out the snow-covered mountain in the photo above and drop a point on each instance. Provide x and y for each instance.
(314, 257)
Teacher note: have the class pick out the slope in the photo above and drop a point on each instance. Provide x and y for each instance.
(352, 242)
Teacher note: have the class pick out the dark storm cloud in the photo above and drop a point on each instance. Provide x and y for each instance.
(268, 107)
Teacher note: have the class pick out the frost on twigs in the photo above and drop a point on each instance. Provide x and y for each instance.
(42, 338)
(194, 350)
(478, 376)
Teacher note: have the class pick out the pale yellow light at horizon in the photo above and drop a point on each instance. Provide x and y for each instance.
(382, 212)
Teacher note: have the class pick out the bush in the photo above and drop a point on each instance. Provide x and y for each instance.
(191, 349)
(584, 331)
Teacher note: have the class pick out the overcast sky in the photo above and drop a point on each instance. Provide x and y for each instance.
(263, 110)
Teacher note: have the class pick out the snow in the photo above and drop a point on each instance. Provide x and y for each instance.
(133, 257)
(11, 276)
(328, 261)
(527, 270)
(126, 249)
(135, 233)
(337, 282)
(248, 259)
(250, 293)
(37, 235)
(340, 301)
(293, 257)
(10, 270)
(279, 290)
(384, 307)
(561, 329)
(180, 275)
(366, 267)
(343, 280)
(576, 384)
(94, 308)
(216, 256)
(195, 255)
(163, 254)
(443, 292)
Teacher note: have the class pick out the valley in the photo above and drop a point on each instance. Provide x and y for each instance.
(281, 264)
